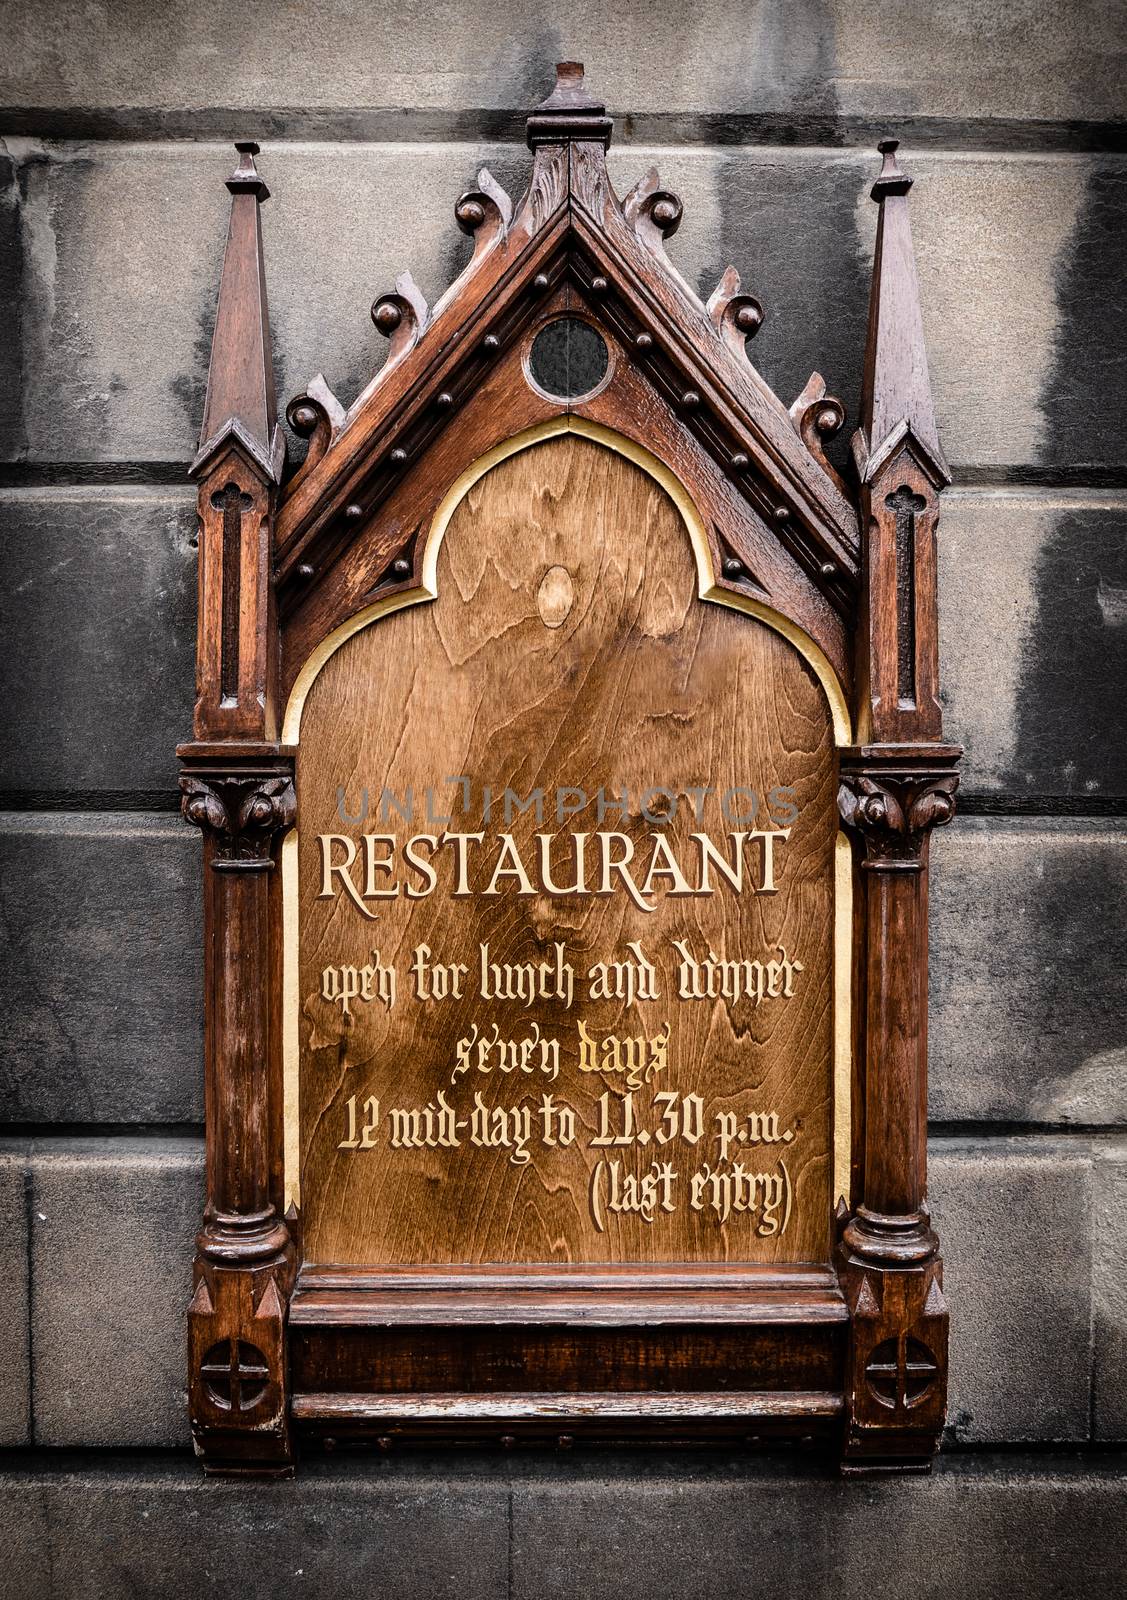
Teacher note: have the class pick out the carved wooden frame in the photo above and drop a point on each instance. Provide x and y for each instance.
(857, 1352)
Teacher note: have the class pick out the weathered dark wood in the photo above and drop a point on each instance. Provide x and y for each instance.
(628, 1293)
(563, 1358)
(237, 787)
(598, 1405)
(392, 1330)
(896, 786)
(245, 1259)
(559, 1420)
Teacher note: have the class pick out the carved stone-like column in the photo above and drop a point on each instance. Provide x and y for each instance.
(245, 1259)
(896, 786)
(237, 786)
(890, 799)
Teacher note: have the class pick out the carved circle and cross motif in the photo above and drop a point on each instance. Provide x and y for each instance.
(901, 1378)
(235, 1374)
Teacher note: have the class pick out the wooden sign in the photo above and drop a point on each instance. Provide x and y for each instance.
(567, 747)
(567, 978)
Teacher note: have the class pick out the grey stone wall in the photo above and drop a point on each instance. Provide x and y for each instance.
(113, 130)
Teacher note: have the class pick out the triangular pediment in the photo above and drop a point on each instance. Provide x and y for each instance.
(902, 439)
(235, 433)
(572, 246)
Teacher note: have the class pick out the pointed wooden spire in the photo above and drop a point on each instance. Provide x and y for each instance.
(240, 382)
(898, 457)
(570, 112)
(896, 394)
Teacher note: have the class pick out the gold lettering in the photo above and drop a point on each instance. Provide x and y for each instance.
(489, 1052)
(710, 856)
(733, 1189)
(663, 864)
(605, 1135)
(424, 868)
(461, 843)
(341, 868)
(435, 980)
(509, 852)
(544, 845)
(342, 985)
(641, 1194)
(373, 864)
(770, 838)
(637, 1059)
(757, 1127)
(501, 1128)
(716, 978)
(365, 1138)
(627, 981)
(609, 866)
(528, 980)
(430, 1127)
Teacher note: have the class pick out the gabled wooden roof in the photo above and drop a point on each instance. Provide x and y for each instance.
(783, 526)
(571, 233)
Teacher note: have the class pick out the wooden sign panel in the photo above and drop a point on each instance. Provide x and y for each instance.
(566, 862)
(566, 749)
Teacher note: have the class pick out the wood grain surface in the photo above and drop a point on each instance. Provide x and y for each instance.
(566, 647)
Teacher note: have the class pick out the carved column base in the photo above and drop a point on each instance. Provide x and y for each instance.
(896, 1364)
(890, 1241)
(239, 1381)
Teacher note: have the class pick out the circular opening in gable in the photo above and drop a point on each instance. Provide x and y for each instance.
(568, 359)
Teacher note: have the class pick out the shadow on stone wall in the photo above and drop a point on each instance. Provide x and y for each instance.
(1071, 730)
(795, 242)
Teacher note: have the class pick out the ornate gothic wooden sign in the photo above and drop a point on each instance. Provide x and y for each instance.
(566, 749)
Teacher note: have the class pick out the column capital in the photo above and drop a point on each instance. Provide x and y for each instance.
(242, 800)
(892, 796)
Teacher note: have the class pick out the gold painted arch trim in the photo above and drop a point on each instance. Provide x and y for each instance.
(707, 589)
(707, 586)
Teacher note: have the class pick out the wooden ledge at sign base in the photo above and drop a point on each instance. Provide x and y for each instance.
(826, 575)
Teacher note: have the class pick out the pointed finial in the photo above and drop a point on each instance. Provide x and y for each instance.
(890, 179)
(570, 92)
(240, 382)
(569, 112)
(896, 391)
(245, 179)
(736, 317)
(401, 316)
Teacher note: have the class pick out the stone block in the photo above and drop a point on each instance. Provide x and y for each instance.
(1028, 1010)
(638, 1527)
(1019, 263)
(102, 952)
(112, 1228)
(15, 1343)
(100, 385)
(1033, 612)
(811, 65)
(1014, 1217)
(1109, 1290)
(101, 957)
(153, 1527)
(980, 1528)
(1033, 640)
(11, 274)
(98, 616)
